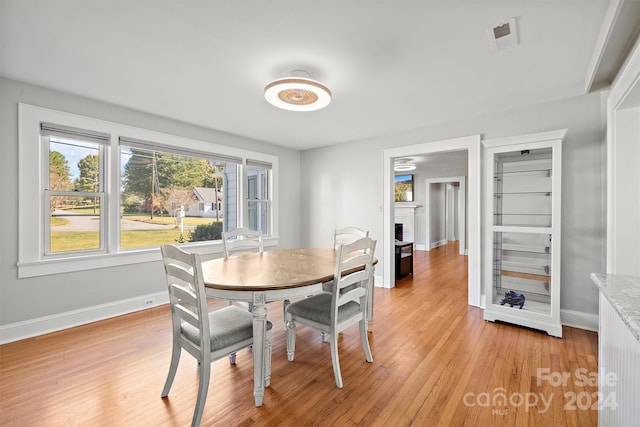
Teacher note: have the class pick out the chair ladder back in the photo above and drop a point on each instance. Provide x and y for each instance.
(187, 296)
(242, 240)
(350, 257)
(348, 235)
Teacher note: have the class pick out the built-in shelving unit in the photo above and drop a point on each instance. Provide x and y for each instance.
(522, 238)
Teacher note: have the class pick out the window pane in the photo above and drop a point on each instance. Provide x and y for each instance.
(169, 198)
(257, 216)
(257, 182)
(74, 165)
(75, 223)
(258, 197)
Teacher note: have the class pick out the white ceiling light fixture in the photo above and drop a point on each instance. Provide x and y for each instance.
(403, 165)
(297, 92)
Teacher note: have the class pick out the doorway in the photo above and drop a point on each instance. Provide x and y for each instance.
(472, 145)
(452, 211)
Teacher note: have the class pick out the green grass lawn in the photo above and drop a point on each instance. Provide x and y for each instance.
(55, 221)
(143, 238)
(63, 241)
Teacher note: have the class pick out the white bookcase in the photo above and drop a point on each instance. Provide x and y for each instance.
(522, 230)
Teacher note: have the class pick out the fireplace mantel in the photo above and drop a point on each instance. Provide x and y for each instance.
(405, 215)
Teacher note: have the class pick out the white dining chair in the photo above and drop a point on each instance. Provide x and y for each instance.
(342, 236)
(345, 306)
(241, 241)
(205, 335)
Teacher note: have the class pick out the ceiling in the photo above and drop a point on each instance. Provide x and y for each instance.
(392, 65)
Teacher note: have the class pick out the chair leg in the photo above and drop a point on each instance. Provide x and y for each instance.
(232, 359)
(365, 340)
(333, 343)
(291, 339)
(203, 388)
(173, 367)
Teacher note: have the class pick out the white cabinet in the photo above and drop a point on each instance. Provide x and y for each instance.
(522, 230)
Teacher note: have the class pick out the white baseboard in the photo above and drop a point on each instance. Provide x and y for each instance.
(438, 243)
(56, 322)
(420, 247)
(579, 319)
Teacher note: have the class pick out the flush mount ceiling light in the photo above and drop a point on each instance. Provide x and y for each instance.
(403, 165)
(298, 92)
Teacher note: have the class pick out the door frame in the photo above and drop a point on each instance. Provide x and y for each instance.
(472, 145)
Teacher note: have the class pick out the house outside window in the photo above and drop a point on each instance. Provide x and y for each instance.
(111, 194)
(258, 198)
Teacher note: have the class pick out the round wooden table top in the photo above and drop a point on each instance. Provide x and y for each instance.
(271, 270)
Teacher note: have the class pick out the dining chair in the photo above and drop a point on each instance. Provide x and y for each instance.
(340, 237)
(345, 306)
(205, 335)
(241, 241)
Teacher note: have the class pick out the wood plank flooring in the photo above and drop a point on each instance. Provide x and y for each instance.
(436, 362)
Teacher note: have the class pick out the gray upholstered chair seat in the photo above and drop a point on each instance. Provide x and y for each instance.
(228, 325)
(318, 308)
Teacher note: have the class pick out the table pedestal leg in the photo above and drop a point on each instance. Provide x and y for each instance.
(259, 312)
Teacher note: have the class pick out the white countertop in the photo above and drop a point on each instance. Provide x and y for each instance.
(623, 292)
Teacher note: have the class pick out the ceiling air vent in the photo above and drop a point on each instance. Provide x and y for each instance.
(504, 35)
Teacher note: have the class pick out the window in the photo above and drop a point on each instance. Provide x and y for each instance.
(258, 195)
(96, 194)
(175, 193)
(73, 189)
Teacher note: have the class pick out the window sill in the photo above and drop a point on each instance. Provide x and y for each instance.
(90, 262)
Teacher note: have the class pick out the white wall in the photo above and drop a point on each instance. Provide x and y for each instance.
(27, 299)
(627, 193)
(350, 175)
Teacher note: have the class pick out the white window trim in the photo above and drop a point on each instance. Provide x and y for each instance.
(31, 222)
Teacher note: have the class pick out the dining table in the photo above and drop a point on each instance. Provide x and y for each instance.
(273, 275)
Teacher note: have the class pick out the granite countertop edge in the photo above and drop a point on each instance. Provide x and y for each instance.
(623, 292)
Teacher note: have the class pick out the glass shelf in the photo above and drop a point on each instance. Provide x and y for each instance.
(523, 220)
(546, 173)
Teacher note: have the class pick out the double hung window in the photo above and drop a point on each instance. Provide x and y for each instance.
(73, 184)
(258, 198)
(96, 194)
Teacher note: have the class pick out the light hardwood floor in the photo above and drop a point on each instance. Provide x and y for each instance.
(436, 362)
